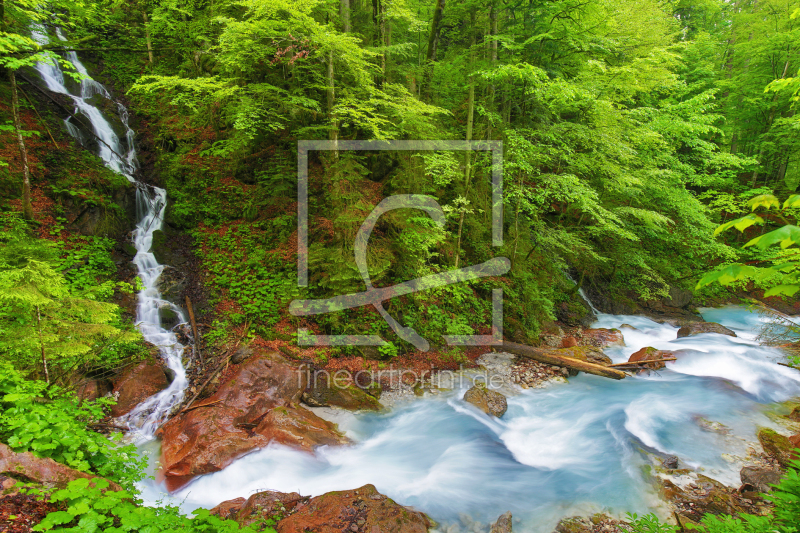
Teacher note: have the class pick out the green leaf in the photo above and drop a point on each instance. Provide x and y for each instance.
(728, 275)
(764, 200)
(740, 223)
(788, 290)
(786, 236)
(792, 201)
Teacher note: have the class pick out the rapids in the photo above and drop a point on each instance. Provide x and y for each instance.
(562, 450)
(119, 154)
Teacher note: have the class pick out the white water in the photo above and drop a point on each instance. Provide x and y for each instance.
(567, 449)
(120, 155)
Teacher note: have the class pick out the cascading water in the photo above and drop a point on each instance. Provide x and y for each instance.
(563, 450)
(120, 155)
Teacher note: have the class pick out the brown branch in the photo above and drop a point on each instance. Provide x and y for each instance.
(636, 363)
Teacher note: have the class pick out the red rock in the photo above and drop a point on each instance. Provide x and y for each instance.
(136, 384)
(257, 405)
(602, 337)
(648, 353)
(363, 510)
(569, 342)
(41, 470)
(92, 389)
(228, 508)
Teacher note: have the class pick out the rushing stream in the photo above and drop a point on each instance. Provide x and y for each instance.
(566, 449)
(120, 155)
(562, 450)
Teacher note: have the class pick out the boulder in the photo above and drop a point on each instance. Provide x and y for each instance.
(363, 510)
(261, 505)
(602, 337)
(241, 355)
(92, 389)
(698, 328)
(503, 524)
(583, 524)
(649, 353)
(137, 383)
(758, 478)
(795, 414)
(489, 401)
(670, 462)
(705, 495)
(568, 342)
(776, 445)
(589, 354)
(41, 470)
(326, 390)
(258, 404)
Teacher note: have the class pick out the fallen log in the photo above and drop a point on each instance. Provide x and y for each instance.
(636, 363)
(546, 356)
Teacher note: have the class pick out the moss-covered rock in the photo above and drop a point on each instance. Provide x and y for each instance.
(327, 391)
(489, 401)
(776, 445)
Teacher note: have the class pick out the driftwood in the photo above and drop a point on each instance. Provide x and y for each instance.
(547, 356)
(636, 363)
(789, 366)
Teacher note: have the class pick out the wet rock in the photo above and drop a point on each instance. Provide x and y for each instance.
(649, 353)
(228, 509)
(776, 445)
(698, 328)
(241, 355)
(164, 252)
(574, 524)
(363, 510)
(590, 354)
(575, 312)
(92, 389)
(569, 342)
(758, 478)
(173, 283)
(169, 318)
(489, 401)
(602, 337)
(137, 383)
(705, 495)
(261, 505)
(670, 462)
(627, 326)
(679, 298)
(326, 390)
(503, 524)
(41, 470)
(795, 414)
(258, 404)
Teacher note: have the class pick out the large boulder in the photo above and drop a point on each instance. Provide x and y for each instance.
(759, 479)
(705, 495)
(136, 384)
(41, 470)
(602, 337)
(326, 390)
(697, 328)
(363, 510)
(489, 401)
(258, 404)
(648, 354)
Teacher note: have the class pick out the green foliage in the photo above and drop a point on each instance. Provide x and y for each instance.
(50, 319)
(90, 509)
(51, 423)
(781, 277)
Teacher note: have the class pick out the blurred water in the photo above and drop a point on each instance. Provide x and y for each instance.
(563, 450)
(119, 154)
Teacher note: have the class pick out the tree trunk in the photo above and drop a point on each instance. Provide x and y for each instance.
(41, 344)
(433, 41)
(27, 208)
(344, 11)
(470, 124)
(147, 36)
(550, 358)
(333, 132)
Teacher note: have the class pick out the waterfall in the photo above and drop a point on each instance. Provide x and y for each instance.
(151, 202)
